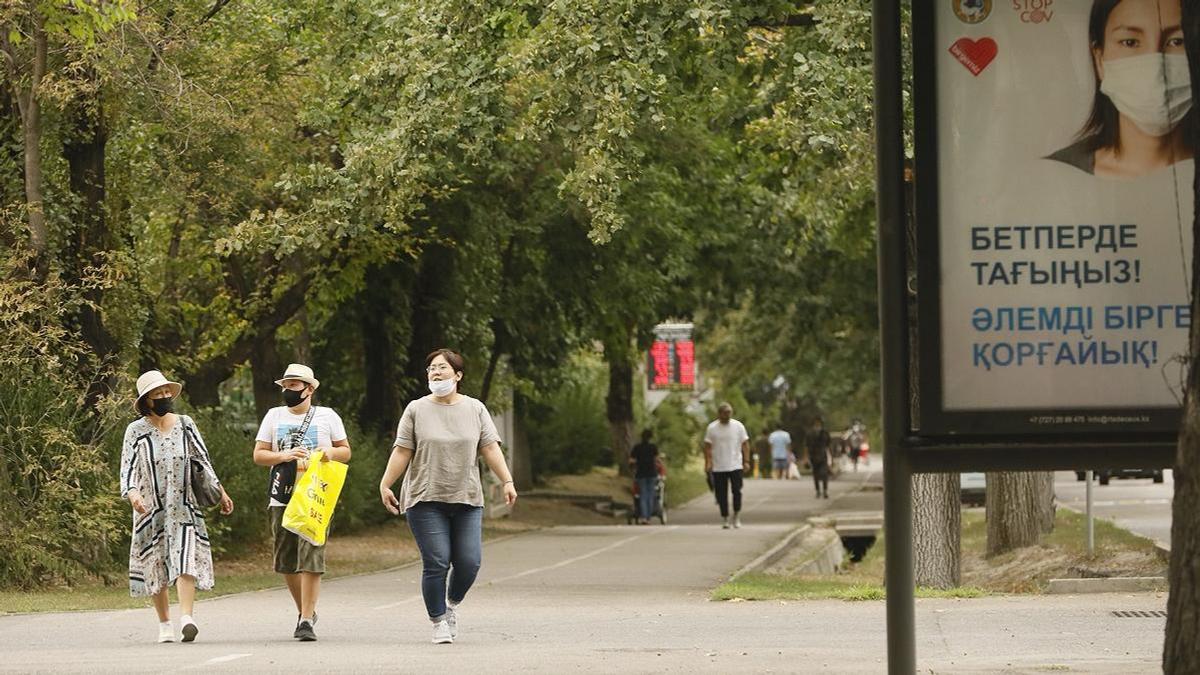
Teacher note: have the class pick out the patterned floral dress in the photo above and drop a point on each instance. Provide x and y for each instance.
(170, 539)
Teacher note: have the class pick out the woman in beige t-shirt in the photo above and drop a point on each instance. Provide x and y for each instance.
(438, 442)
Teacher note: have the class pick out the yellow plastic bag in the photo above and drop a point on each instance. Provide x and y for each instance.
(311, 507)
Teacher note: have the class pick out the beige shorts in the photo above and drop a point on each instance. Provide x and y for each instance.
(293, 554)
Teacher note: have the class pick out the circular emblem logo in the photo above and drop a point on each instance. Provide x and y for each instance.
(972, 11)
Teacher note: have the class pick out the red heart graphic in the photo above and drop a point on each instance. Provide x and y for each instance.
(974, 55)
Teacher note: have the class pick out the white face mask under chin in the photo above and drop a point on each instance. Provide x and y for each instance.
(1154, 91)
(442, 387)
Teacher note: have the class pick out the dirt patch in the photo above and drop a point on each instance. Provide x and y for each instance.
(1027, 570)
(531, 514)
(601, 480)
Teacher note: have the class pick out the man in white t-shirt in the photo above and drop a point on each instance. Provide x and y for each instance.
(287, 437)
(727, 455)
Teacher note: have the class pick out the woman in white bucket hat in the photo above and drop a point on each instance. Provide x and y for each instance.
(170, 541)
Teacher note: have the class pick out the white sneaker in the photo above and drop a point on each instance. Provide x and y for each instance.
(166, 633)
(190, 630)
(441, 633)
(452, 621)
(737, 521)
(725, 525)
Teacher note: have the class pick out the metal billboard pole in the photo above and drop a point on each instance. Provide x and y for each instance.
(893, 335)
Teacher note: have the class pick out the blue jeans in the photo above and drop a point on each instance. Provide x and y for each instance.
(448, 535)
(646, 490)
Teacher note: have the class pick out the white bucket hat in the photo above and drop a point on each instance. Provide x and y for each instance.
(151, 380)
(299, 371)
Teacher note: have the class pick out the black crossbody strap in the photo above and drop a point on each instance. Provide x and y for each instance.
(303, 430)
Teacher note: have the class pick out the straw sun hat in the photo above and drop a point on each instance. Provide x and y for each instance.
(151, 380)
(299, 371)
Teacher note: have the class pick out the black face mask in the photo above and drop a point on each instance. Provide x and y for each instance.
(162, 406)
(293, 398)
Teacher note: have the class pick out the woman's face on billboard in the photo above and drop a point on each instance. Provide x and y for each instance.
(1140, 27)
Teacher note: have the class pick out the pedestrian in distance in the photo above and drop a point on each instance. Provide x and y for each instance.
(438, 442)
(782, 455)
(762, 455)
(170, 545)
(816, 443)
(643, 459)
(727, 456)
(288, 436)
(854, 441)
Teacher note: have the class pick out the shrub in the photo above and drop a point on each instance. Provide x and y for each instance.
(677, 432)
(568, 429)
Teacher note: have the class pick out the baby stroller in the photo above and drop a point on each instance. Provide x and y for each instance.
(659, 505)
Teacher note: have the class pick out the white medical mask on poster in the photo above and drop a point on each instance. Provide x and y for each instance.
(442, 387)
(1154, 91)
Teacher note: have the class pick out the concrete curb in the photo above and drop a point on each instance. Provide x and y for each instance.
(824, 560)
(1163, 548)
(1107, 585)
(772, 555)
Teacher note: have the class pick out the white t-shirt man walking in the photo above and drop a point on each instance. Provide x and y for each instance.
(727, 455)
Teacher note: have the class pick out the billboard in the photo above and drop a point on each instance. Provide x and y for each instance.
(1054, 208)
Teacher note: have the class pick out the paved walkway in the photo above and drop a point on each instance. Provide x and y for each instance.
(607, 599)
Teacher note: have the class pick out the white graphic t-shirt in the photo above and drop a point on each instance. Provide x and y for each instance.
(280, 426)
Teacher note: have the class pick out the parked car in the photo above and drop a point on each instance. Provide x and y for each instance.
(1106, 474)
(972, 488)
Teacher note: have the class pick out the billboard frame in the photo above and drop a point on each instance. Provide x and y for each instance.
(942, 441)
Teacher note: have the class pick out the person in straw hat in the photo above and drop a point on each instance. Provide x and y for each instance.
(170, 541)
(287, 437)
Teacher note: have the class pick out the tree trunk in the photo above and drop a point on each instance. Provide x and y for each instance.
(620, 406)
(428, 331)
(265, 368)
(1016, 510)
(303, 341)
(522, 460)
(489, 375)
(202, 388)
(381, 397)
(85, 155)
(1046, 501)
(499, 327)
(937, 530)
(1181, 643)
(31, 123)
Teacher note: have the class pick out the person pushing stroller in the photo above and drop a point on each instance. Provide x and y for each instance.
(648, 471)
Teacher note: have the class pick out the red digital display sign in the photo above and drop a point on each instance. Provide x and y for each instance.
(660, 364)
(672, 364)
(685, 357)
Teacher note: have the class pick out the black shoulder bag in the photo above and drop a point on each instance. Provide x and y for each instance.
(283, 475)
(206, 489)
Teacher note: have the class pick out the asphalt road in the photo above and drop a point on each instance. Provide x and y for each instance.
(1137, 504)
(616, 599)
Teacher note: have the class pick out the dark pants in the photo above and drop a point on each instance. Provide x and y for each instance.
(722, 480)
(449, 536)
(821, 477)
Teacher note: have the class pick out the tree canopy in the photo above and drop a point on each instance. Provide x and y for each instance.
(216, 189)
